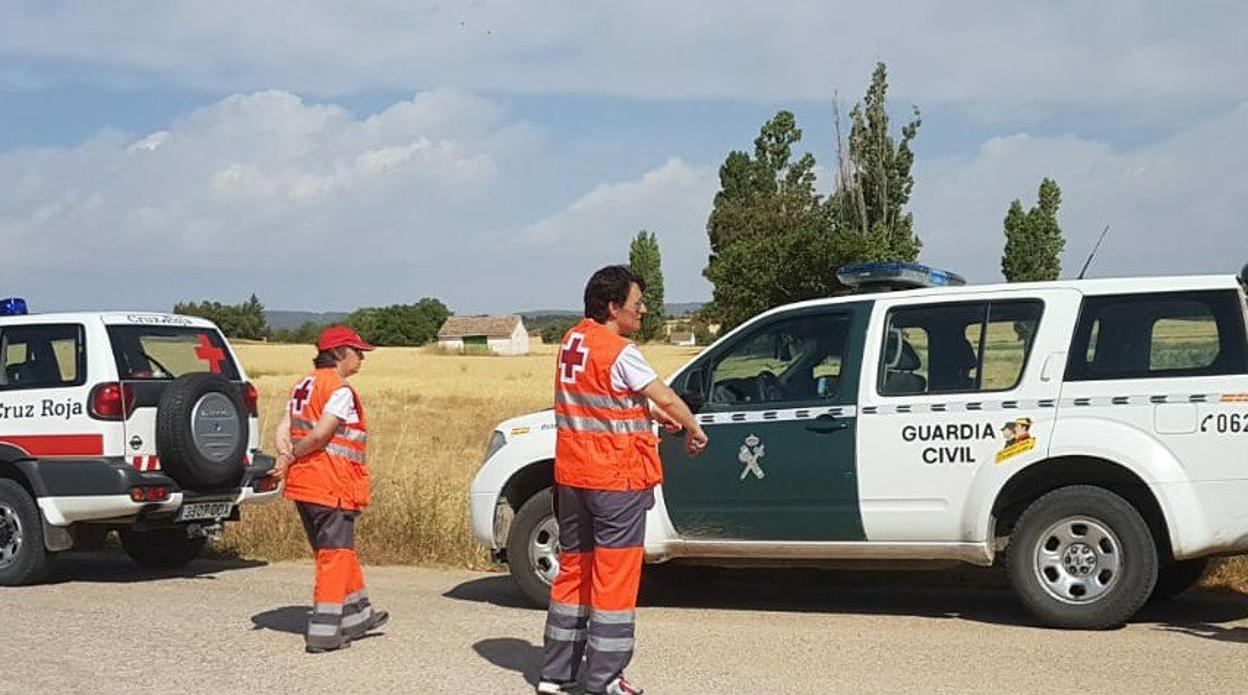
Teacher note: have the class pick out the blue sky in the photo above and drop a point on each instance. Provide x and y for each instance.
(328, 155)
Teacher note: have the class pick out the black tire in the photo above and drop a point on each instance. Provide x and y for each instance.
(215, 406)
(1177, 577)
(532, 523)
(23, 557)
(1114, 535)
(163, 548)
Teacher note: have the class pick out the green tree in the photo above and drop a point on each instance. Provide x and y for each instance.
(400, 324)
(1033, 239)
(874, 179)
(553, 330)
(768, 228)
(645, 260)
(775, 240)
(244, 320)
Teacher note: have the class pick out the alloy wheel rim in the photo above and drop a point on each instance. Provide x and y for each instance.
(544, 550)
(10, 535)
(1078, 560)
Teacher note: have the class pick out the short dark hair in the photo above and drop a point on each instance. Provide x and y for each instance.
(609, 284)
(326, 359)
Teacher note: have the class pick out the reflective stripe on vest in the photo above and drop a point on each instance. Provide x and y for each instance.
(587, 424)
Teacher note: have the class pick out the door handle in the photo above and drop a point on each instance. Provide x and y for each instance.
(826, 424)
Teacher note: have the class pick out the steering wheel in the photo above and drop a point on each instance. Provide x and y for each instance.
(768, 386)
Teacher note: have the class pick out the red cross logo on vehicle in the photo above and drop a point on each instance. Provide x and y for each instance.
(301, 395)
(210, 353)
(572, 358)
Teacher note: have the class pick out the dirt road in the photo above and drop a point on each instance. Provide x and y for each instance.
(231, 627)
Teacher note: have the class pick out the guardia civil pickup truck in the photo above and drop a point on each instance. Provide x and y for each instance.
(1093, 433)
(136, 422)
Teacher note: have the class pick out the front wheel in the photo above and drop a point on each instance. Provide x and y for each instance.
(533, 548)
(163, 548)
(23, 558)
(1082, 557)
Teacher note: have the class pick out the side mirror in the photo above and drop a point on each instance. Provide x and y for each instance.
(694, 392)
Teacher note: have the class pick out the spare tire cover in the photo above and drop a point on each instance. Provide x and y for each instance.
(202, 431)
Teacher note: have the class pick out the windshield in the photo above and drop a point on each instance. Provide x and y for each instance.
(159, 352)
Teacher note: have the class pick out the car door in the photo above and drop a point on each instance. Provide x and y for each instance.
(779, 410)
(960, 394)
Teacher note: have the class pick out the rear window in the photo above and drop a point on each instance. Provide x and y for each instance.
(42, 356)
(1179, 334)
(160, 352)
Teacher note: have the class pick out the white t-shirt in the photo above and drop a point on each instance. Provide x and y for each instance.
(630, 371)
(341, 405)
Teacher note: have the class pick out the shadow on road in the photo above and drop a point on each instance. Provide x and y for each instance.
(289, 619)
(116, 567)
(968, 594)
(512, 654)
(498, 590)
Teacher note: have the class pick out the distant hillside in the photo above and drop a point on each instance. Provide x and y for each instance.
(287, 320)
(682, 308)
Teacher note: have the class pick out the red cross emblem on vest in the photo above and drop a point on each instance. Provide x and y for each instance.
(573, 358)
(301, 395)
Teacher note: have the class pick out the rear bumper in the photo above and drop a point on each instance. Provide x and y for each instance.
(98, 489)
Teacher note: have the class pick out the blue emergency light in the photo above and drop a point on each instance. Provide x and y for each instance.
(13, 306)
(895, 275)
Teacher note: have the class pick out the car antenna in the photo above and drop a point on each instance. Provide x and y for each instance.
(1093, 254)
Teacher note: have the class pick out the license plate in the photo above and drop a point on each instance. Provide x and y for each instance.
(204, 510)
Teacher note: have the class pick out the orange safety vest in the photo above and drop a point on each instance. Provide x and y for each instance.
(335, 476)
(604, 439)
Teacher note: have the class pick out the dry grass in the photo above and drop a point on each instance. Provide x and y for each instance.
(429, 416)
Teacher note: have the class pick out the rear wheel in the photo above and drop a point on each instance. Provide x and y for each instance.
(166, 547)
(1082, 557)
(1177, 577)
(23, 557)
(533, 548)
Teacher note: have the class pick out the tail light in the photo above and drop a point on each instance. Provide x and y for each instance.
(267, 484)
(149, 493)
(252, 398)
(111, 401)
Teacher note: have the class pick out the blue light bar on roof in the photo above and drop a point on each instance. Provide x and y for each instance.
(13, 306)
(895, 275)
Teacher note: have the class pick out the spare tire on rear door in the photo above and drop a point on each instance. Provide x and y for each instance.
(201, 431)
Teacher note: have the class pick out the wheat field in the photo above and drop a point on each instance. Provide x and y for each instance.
(429, 417)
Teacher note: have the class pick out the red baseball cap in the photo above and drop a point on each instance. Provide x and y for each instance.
(341, 336)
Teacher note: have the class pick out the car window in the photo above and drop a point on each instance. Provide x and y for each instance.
(163, 352)
(957, 348)
(1159, 335)
(796, 359)
(42, 356)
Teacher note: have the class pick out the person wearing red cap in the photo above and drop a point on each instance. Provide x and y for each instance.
(322, 443)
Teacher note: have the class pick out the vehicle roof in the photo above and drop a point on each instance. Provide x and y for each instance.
(1098, 286)
(112, 318)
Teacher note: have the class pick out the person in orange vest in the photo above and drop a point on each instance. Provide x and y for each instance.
(606, 467)
(321, 444)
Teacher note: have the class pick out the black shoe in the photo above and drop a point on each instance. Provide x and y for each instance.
(321, 650)
(379, 618)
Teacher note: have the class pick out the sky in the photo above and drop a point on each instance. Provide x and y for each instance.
(329, 155)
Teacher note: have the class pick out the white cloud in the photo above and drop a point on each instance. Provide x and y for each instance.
(1172, 206)
(256, 177)
(997, 58)
(671, 200)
